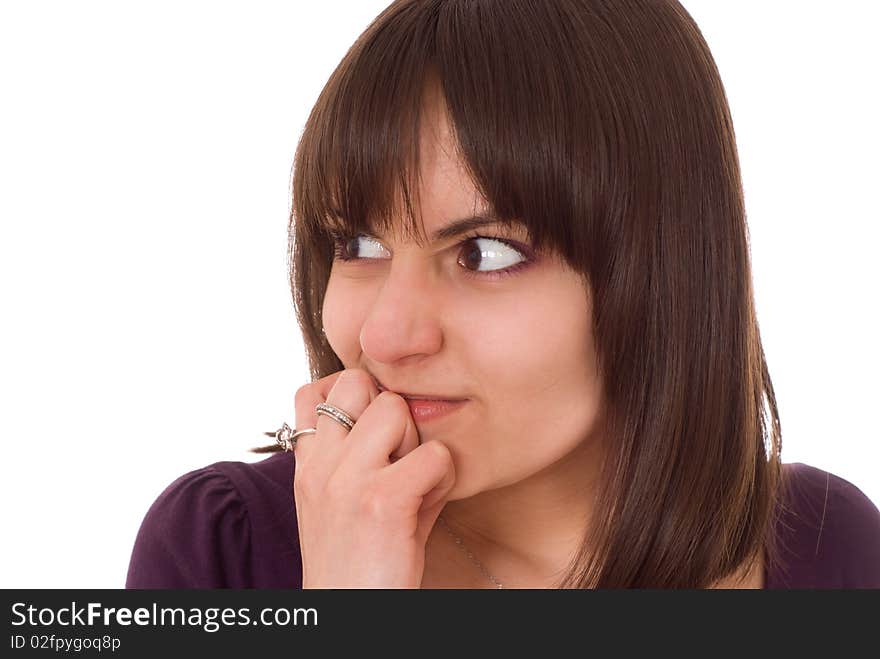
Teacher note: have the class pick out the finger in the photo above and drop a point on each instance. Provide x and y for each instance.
(431, 458)
(305, 400)
(384, 433)
(427, 472)
(352, 392)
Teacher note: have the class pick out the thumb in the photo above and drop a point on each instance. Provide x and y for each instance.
(442, 470)
(434, 501)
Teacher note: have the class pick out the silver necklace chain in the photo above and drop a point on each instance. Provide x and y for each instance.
(470, 555)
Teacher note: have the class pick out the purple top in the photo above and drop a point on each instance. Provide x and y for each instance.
(233, 525)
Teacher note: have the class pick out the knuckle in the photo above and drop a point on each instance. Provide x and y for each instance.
(375, 507)
(355, 377)
(304, 485)
(378, 503)
(443, 452)
(336, 487)
(303, 395)
(393, 401)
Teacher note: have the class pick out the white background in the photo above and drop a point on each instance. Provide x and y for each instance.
(148, 329)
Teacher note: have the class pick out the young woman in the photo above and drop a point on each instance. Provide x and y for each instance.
(520, 264)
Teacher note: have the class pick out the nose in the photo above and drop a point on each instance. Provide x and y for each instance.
(405, 317)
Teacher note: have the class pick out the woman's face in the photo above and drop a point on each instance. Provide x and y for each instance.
(443, 320)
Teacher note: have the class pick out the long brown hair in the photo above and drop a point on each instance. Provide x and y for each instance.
(604, 128)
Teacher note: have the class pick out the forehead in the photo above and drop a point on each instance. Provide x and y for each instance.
(445, 192)
(446, 202)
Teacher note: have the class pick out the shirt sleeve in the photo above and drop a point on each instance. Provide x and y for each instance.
(195, 535)
(859, 526)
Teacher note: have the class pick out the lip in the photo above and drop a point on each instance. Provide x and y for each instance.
(422, 397)
(428, 410)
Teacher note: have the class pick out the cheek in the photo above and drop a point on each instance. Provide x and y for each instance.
(343, 315)
(545, 395)
(549, 384)
(540, 349)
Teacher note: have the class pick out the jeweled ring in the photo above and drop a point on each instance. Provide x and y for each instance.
(286, 436)
(335, 413)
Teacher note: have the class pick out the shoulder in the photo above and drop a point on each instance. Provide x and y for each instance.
(828, 532)
(225, 525)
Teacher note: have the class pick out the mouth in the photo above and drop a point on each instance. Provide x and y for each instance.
(422, 397)
(423, 410)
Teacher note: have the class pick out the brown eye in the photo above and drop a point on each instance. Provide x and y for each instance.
(475, 252)
(498, 254)
(347, 248)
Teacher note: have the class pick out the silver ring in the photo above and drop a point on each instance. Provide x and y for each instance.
(286, 436)
(335, 413)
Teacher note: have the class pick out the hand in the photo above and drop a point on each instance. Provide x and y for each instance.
(366, 499)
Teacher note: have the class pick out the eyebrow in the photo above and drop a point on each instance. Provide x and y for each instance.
(463, 225)
(458, 227)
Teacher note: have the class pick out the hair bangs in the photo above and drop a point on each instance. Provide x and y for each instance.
(357, 163)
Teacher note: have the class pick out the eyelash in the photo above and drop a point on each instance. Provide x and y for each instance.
(340, 240)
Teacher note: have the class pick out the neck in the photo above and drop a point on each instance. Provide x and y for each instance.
(527, 533)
